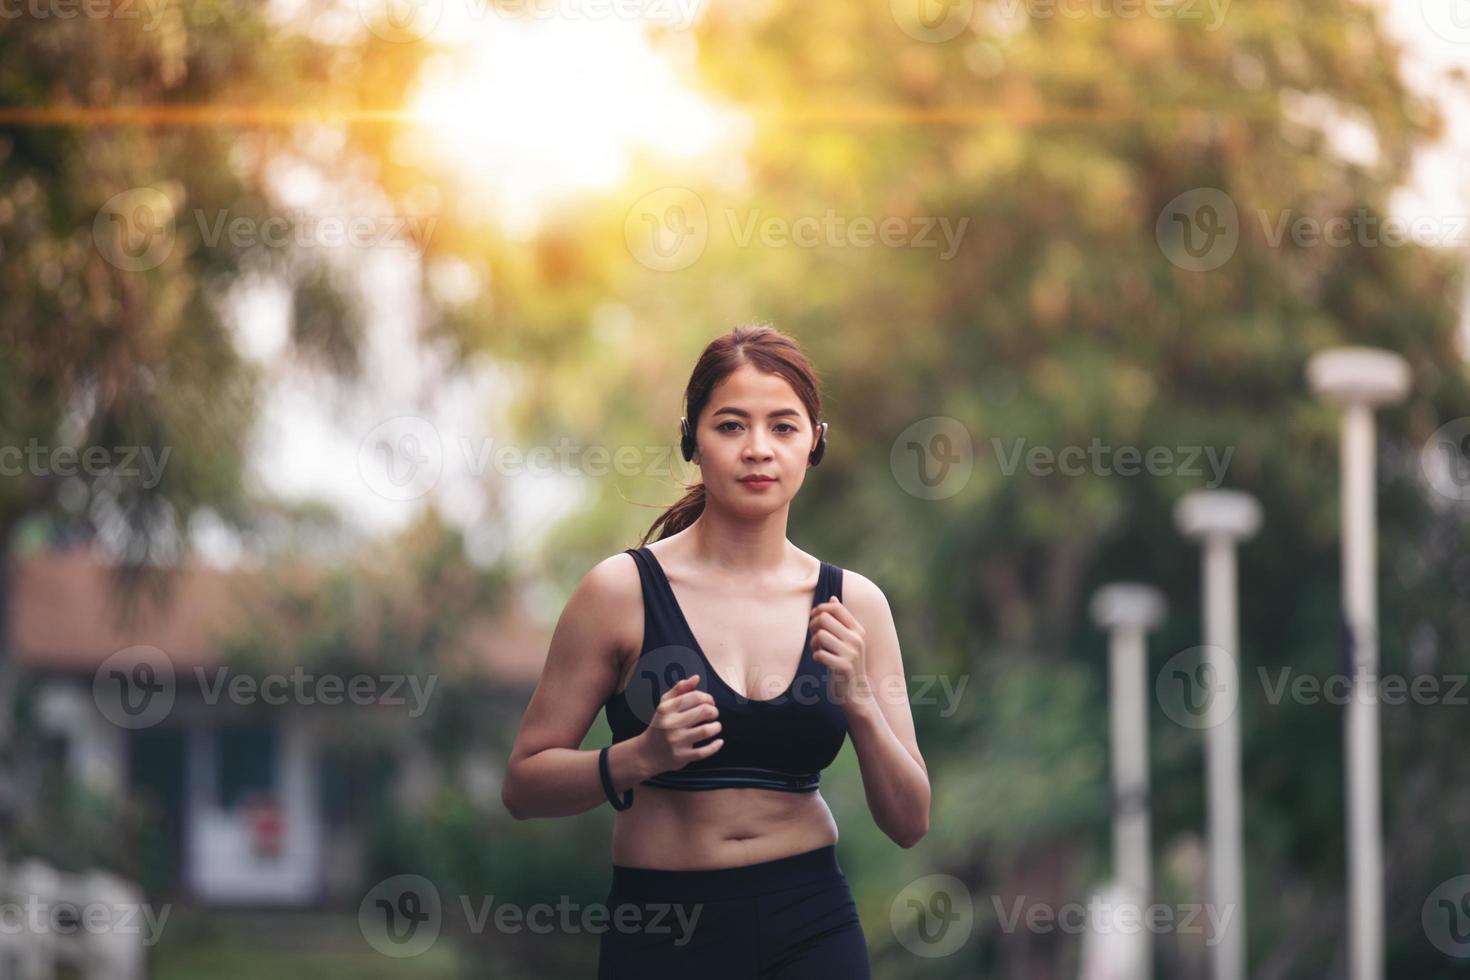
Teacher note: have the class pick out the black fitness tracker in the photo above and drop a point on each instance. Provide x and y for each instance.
(607, 784)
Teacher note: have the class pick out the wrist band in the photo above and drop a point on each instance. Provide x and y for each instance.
(607, 783)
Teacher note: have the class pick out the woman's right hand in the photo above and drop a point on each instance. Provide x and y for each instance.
(684, 715)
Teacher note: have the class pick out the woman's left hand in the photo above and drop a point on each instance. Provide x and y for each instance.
(839, 641)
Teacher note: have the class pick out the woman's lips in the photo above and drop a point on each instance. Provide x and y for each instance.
(757, 484)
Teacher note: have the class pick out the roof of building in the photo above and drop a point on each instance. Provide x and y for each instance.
(67, 613)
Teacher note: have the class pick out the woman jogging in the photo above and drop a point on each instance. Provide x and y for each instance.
(719, 731)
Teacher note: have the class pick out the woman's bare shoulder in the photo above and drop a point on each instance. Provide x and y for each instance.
(610, 584)
(866, 600)
(610, 599)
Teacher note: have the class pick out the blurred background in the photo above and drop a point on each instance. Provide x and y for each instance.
(340, 339)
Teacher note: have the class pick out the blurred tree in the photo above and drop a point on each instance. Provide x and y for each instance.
(125, 400)
(1078, 160)
(1080, 147)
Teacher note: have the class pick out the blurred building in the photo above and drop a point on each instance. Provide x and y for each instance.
(261, 799)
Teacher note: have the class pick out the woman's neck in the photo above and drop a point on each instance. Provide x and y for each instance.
(739, 546)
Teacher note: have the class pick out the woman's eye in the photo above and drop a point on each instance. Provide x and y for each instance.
(785, 428)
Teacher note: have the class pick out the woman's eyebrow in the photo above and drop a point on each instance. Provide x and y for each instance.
(731, 410)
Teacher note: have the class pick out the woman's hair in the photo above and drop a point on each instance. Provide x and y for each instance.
(768, 350)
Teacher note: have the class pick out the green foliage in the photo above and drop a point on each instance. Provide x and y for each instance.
(1060, 319)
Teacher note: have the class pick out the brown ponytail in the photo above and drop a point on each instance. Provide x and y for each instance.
(769, 350)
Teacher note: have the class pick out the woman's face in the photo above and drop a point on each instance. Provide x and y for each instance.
(753, 425)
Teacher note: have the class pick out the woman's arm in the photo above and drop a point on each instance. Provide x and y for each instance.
(548, 775)
(859, 642)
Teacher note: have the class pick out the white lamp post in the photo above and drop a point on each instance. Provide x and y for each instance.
(1128, 610)
(1361, 378)
(1220, 519)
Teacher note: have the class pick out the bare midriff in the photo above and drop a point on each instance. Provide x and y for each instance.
(685, 830)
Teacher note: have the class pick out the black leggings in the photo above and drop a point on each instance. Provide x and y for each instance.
(790, 918)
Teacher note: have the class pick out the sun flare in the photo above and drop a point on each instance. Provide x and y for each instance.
(530, 112)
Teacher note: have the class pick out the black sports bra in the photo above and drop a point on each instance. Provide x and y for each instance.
(782, 743)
